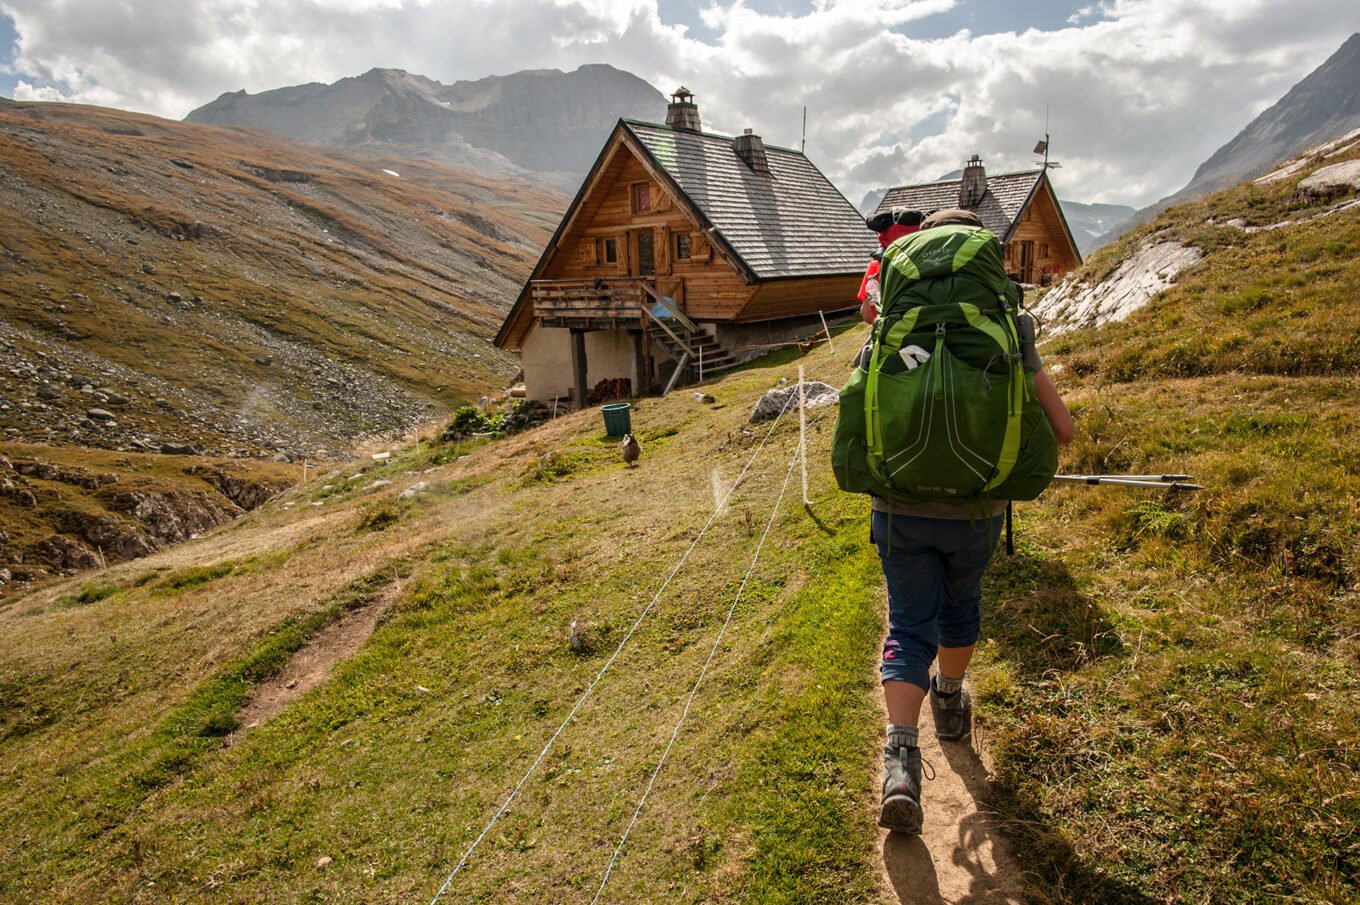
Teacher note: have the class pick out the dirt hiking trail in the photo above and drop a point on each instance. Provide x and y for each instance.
(960, 858)
(313, 662)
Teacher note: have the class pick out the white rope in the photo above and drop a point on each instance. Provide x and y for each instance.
(544, 753)
(717, 642)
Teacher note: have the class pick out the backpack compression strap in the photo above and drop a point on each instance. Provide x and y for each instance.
(893, 337)
(1009, 342)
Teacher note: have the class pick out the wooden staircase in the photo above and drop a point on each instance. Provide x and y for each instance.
(701, 354)
(696, 352)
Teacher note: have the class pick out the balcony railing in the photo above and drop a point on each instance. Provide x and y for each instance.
(630, 303)
(620, 299)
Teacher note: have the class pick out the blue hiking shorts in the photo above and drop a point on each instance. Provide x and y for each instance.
(933, 568)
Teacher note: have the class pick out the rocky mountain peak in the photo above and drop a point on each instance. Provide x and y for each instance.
(1322, 107)
(543, 121)
(1325, 105)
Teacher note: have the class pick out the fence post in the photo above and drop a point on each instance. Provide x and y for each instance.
(827, 331)
(802, 431)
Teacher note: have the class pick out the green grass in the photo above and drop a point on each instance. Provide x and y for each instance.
(395, 763)
(1167, 683)
(108, 793)
(1169, 679)
(1173, 695)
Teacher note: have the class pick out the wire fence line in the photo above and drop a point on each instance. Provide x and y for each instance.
(717, 642)
(500, 812)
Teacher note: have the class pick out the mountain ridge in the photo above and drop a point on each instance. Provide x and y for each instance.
(531, 124)
(1323, 106)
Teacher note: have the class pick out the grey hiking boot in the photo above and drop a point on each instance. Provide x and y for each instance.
(953, 713)
(901, 809)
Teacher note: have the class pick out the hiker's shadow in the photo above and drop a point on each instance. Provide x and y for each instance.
(911, 868)
(981, 872)
(1008, 817)
(1040, 620)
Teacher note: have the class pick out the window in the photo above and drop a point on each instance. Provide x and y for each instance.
(642, 198)
(1043, 249)
(611, 251)
(682, 246)
(646, 253)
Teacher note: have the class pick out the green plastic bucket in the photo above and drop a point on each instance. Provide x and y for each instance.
(618, 419)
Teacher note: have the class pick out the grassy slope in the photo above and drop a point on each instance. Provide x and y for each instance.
(402, 281)
(1178, 707)
(1168, 684)
(126, 782)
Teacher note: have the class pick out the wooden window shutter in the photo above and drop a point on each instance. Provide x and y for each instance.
(663, 250)
(661, 200)
(698, 247)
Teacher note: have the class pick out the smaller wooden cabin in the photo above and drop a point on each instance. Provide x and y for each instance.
(683, 253)
(1021, 208)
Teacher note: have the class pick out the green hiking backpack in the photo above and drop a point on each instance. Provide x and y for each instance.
(939, 406)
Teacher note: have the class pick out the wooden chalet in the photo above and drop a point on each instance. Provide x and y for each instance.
(1021, 208)
(683, 253)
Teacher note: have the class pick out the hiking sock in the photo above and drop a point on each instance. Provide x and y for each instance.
(947, 686)
(900, 735)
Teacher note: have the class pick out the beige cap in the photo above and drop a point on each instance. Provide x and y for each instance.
(951, 217)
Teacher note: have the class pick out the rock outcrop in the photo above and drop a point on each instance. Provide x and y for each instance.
(1135, 281)
(62, 517)
(817, 395)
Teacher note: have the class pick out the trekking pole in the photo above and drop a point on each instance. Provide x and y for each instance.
(1170, 482)
(1142, 477)
(1010, 536)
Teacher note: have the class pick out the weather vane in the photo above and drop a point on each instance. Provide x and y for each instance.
(1042, 147)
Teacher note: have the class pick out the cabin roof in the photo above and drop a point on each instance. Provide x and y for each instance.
(1006, 197)
(791, 223)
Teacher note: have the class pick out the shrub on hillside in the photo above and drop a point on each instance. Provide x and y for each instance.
(470, 421)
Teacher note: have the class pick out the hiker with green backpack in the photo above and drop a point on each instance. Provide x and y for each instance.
(947, 417)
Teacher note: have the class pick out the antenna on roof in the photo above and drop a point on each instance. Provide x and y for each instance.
(1042, 147)
(802, 148)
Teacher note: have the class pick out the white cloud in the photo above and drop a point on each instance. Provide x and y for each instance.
(1138, 91)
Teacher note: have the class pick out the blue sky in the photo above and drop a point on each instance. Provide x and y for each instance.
(1139, 92)
(7, 39)
(981, 17)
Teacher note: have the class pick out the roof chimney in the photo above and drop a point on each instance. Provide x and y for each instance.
(751, 150)
(683, 113)
(974, 184)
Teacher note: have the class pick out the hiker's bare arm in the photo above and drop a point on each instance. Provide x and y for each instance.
(866, 310)
(1059, 418)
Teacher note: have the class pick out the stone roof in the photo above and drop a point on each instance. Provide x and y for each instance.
(1000, 206)
(790, 223)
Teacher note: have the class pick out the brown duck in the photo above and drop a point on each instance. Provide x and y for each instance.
(631, 449)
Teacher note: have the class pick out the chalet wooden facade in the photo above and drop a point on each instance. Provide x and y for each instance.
(680, 254)
(1021, 208)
